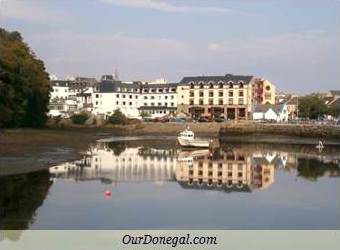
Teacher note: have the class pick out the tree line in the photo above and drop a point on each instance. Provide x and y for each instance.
(314, 107)
(24, 84)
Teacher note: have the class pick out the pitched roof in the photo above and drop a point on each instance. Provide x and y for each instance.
(261, 108)
(225, 79)
(292, 101)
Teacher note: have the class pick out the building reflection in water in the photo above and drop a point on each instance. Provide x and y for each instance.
(133, 164)
(231, 171)
(241, 169)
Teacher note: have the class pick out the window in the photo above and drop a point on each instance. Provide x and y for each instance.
(136, 96)
(201, 93)
(240, 167)
(117, 103)
(211, 101)
(220, 94)
(172, 97)
(231, 85)
(220, 85)
(201, 85)
(130, 103)
(152, 104)
(145, 104)
(240, 101)
(145, 97)
(191, 94)
(172, 104)
(159, 104)
(241, 85)
(220, 102)
(123, 96)
(231, 93)
(124, 103)
(166, 97)
(267, 87)
(160, 90)
(230, 174)
(211, 85)
(230, 101)
(240, 93)
(201, 102)
(130, 96)
(191, 102)
(97, 96)
(211, 94)
(117, 95)
(191, 85)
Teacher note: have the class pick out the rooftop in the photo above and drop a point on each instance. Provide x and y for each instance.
(217, 79)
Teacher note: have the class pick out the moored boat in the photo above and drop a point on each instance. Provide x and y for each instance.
(187, 138)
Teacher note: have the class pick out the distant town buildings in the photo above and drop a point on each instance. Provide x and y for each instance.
(225, 97)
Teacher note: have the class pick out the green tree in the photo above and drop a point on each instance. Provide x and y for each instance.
(80, 118)
(312, 107)
(145, 114)
(118, 117)
(24, 84)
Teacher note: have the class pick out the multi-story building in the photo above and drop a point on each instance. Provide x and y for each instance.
(134, 98)
(263, 92)
(229, 96)
(70, 96)
(158, 99)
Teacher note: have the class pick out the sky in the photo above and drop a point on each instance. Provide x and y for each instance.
(294, 44)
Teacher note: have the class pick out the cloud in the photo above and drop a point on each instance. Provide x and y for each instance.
(166, 6)
(305, 58)
(214, 46)
(28, 11)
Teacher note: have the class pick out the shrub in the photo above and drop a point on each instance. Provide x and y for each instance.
(79, 118)
(118, 117)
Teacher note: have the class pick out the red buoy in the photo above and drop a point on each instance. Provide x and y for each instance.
(107, 193)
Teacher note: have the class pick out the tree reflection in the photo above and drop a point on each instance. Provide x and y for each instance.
(117, 147)
(312, 169)
(20, 197)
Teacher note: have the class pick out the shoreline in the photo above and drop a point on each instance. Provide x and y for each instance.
(27, 150)
(243, 128)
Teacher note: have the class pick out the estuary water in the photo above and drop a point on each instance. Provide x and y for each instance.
(148, 183)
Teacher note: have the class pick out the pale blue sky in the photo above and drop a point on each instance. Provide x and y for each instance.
(292, 43)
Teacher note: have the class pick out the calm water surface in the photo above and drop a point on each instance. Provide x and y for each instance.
(154, 185)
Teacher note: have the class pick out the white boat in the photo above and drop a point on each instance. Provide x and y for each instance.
(187, 138)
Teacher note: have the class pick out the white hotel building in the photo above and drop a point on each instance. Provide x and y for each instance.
(134, 98)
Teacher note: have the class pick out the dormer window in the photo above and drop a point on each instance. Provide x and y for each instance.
(201, 85)
(241, 85)
(211, 85)
(231, 85)
(220, 84)
(191, 85)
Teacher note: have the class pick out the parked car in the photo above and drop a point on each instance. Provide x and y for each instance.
(205, 119)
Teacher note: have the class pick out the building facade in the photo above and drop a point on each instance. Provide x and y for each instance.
(229, 96)
(133, 99)
(265, 112)
(263, 91)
